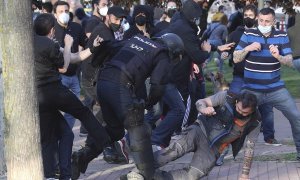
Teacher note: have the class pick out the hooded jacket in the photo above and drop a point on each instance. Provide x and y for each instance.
(235, 36)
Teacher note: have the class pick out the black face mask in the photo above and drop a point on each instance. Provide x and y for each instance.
(140, 20)
(249, 22)
(240, 116)
(171, 12)
(115, 27)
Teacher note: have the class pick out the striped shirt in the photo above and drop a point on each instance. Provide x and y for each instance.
(262, 70)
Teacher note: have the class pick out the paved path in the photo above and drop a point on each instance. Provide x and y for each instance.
(261, 170)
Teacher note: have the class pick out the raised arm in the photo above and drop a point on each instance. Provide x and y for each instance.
(285, 60)
(206, 106)
(83, 55)
(239, 55)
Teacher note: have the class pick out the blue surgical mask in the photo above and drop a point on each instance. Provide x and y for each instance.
(264, 29)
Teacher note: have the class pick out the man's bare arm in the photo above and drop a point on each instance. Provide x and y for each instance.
(286, 60)
(249, 151)
(239, 55)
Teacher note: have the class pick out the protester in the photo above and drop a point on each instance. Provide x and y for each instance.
(264, 49)
(224, 120)
(53, 97)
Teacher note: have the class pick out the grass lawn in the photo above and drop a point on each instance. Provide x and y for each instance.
(290, 76)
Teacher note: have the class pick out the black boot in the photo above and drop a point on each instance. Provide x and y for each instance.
(110, 155)
(81, 159)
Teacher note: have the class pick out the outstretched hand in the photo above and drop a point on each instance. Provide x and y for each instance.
(97, 41)
(226, 47)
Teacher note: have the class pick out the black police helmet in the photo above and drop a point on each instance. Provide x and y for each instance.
(174, 44)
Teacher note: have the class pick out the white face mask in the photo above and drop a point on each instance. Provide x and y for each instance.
(297, 9)
(64, 18)
(125, 25)
(103, 11)
(264, 29)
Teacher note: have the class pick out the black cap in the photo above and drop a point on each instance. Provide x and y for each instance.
(117, 11)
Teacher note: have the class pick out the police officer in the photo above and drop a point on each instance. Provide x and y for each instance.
(118, 85)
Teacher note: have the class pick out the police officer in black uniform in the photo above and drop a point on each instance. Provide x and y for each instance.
(118, 84)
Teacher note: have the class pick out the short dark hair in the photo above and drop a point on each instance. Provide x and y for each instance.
(238, 5)
(43, 24)
(60, 3)
(248, 100)
(252, 8)
(266, 11)
(48, 7)
(95, 2)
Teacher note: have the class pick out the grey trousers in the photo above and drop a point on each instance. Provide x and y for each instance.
(191, 140)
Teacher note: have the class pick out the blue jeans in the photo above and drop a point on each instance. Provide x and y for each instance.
(153, 114)
(161, 135)
(266, 110)
(236, 84)
(72, 83)
(282, 100)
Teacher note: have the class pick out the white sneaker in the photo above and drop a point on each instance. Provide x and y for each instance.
(134, 176)
(272, 142)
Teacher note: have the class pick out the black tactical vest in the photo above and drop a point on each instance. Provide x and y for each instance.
(136, 58)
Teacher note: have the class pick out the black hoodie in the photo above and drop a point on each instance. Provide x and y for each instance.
(235, 36)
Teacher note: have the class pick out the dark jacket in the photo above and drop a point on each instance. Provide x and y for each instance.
(91, 65)
(222, 123)
(235, 21)
(133, 30)
(91, 23)
(193, 54)
(235, 36)
(48, 59)
(138, 59)
(294, 37)
(78, 35)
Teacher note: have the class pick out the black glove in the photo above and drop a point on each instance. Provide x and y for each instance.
(155, 94)
(93, 49)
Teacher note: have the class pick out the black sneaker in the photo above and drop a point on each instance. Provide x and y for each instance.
(110, 155)
(78, 164)
(272, 142)
(121, 150)
(220, 160)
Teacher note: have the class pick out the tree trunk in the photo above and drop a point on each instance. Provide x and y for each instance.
(21, 137)
(2, 160)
